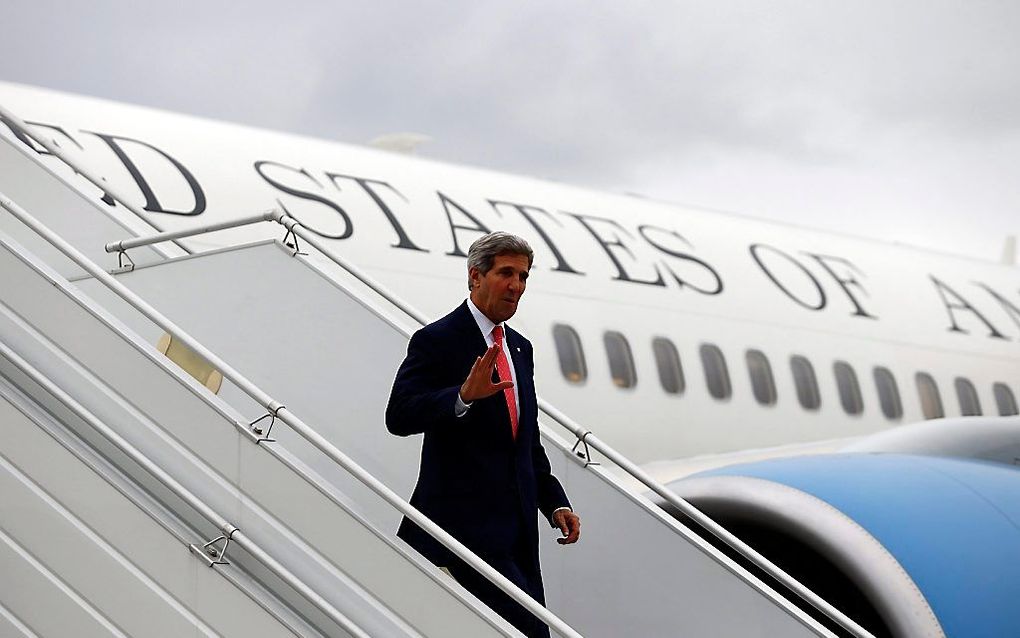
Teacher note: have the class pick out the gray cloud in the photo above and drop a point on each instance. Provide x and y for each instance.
(805, 111)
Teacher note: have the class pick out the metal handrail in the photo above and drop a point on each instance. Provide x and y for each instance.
(280, 411)
(230, 532)
(742, 548)
(717, 530)
(593, 442)
(747, 552)
(127, 244)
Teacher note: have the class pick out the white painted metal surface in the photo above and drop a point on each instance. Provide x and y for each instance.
(586, 439)
(276, 410)
(63, 208)
(995, 439)
(212, 552)
(197, 438)
(242, 170)
(80, 559)
(566, 470)
(331, 357)
(11, 625)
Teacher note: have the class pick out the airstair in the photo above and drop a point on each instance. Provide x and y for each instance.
(251, 488)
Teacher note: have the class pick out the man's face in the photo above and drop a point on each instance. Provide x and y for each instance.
(497, 292)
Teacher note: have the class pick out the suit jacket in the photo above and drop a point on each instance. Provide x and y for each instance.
(475, 480)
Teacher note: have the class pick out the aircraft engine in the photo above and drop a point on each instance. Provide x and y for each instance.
(908, 546)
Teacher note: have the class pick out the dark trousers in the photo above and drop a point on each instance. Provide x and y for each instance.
(518, 569)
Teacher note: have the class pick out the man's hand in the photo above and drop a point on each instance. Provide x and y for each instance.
(478, 384)
(569, 524)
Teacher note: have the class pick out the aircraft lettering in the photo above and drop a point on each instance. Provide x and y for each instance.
(644, 231)
(1011, 310)
(366, 184)
(844, 282)
(954, 301)
(29, 142)
(348, 227)
(612, 242)
(152, 204)
(525, 211)
(674, 256)
(757, 249)
(476, 225)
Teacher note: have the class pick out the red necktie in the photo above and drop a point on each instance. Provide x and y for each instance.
(503, 370)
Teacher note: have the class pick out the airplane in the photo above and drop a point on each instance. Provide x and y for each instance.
(679, 315)
(688, 339)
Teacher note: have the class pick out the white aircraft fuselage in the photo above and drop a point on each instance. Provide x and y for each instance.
(605, 264)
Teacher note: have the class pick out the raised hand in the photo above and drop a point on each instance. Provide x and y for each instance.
(478, 384)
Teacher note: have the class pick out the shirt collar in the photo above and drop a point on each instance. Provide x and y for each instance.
(484, 323)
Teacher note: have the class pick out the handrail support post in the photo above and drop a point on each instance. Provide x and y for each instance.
(289, 223)
(272, 413)
(212, 553)
(584, 452)
(124, 261)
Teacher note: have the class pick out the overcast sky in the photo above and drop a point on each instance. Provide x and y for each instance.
(896, 120)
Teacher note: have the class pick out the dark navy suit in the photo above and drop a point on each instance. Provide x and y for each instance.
(475, 480)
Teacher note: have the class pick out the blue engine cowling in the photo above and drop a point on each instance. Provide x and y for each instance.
(907, 545)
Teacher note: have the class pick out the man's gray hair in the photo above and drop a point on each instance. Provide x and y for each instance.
(484, 250)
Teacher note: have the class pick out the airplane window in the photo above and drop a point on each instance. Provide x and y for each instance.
(806, 382)
(621, 363)
(931, 402)
(849, 388)
(717, 376)
(888, 393)
(671, 374)
(762, 383)
(571, 355)
(1004, 399)
(965, 392)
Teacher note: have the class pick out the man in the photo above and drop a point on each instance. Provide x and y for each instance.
(467, 383)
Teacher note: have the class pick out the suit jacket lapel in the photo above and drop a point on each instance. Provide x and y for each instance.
(513, 342)
(466, 323)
